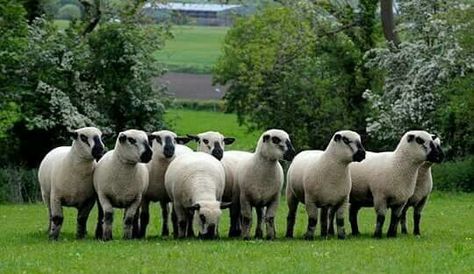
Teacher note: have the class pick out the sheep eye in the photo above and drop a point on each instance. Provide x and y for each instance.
(202, 217)
(205, 141)
(276, 140)
(131, 140)
(84, 138)
(345, 140)
(420, 140)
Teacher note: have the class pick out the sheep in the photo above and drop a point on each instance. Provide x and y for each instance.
(212, 142)
(387, 179)
(230, 161)
(120, 180)
(65, 177)
(423, 187)
(321, 179)
(166, 145)
(258, 181)
(195, 182)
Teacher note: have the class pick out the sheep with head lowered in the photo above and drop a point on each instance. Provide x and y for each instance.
(258, 181)
(166, 145)
(195, 183)
(120, 180)
(387, 179)
(321, 179)
(65, 177)
(423, 187)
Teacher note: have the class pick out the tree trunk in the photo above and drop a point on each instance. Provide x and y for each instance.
(388, 23)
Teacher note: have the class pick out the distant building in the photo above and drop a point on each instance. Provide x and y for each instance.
(198, 14)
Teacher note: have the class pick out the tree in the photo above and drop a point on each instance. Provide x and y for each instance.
(292, 68)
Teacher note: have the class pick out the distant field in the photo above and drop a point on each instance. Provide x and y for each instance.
(192, 122)
(446, 246)
(194, 48)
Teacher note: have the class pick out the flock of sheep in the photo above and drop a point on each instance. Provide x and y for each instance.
(157, 167)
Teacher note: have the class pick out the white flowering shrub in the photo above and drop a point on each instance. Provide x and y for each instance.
(429, 57)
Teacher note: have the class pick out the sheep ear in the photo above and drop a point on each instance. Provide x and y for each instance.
(434, 136)
(410, 138)
(225, 205)
(195, 207)
(122, 138)
(182, 140)
(193, 137)
(337, 137)
(229, 140)
(266, 137)
(73, 134)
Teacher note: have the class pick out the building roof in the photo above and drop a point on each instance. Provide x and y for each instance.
(192, 7)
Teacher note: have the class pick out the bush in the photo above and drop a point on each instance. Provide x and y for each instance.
(19, 185)
(69, 12)
(454, 176)
(208, 105)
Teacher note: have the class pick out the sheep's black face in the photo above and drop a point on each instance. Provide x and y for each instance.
(168, 149)
(290, 151)
(145, 157)
(98, 149)
(217, 151)
(436, 154)
(211, 233)
(360, 153)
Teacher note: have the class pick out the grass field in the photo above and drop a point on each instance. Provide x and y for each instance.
(194, 48)
(446, 246)
(192, 122)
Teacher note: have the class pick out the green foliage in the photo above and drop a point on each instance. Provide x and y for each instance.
(454, 176)
(69, 12)
(445, 246)
(61, 80)
(285, 71)
(19, 185)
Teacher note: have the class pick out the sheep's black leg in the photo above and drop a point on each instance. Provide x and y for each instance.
(332, 213)
(258, 229)
(234, 210)
(417, 216)
(82, 215)
(100, 221)
(56, 219)
(324, 222)
(136, 226)
(312, 211)
(246, 212)
(394, 219)
(291, 218)
(164, 213)
(174, 221)
(189, 221)
(144, 217)
(353, 211)
(403, 220)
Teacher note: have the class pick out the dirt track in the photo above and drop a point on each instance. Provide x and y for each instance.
(192, 86)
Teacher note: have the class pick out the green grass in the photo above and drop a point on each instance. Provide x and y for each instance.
(193, 122)
(194, 48)
(446, 246)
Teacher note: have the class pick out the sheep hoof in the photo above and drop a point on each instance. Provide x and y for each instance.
(246, 238)
(289, 236)
(258, 234)
(308, 237)
(378, 235)
(270, 237)
(341, 236)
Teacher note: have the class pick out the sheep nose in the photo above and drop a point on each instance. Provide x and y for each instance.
(97, 152)
(290, 152)
(218, 153)
(168, 151)
(146, 155)
(436, 154)
(359, 155)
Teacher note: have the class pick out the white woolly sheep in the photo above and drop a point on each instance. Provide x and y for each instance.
(230, 161)
(212, 142)
(387, 179)
(423, 187)
(321, 179)
(65, 176)
(166, 146)
(259, 179)
(195, 182)
(120, 180)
